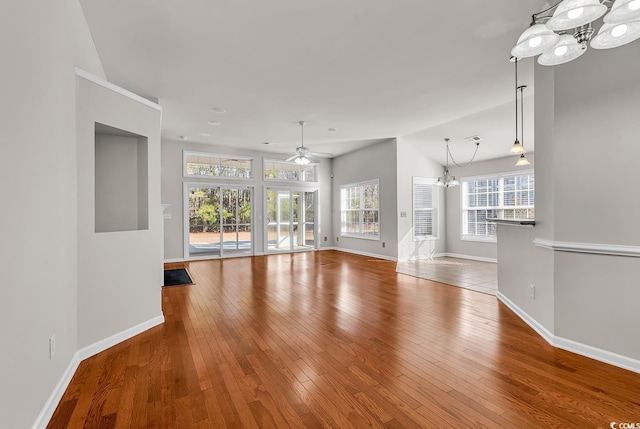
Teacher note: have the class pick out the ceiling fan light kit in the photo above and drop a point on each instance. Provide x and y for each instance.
(550, 35)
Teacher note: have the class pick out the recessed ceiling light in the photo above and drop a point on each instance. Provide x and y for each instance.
(213, 123)
(183, 137)
(205, 134)
(267, 143)
(332, 129)
(218, 110)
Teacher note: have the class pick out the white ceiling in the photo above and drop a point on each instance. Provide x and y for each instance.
(373, 69)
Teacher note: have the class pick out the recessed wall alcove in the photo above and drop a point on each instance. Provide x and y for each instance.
(121, 180)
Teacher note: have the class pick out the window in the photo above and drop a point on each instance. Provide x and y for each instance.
(359, 210)
(507, 196)
(220, 166)
(290, 171)
(425, 209)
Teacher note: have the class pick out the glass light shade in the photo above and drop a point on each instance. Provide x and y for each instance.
(623, 11)
(439, 183)
(566, 50)
(614, 35)
(522, 161)
(534, 40)
(453, 182)
(574, 13)
(301, 160)
(517, 147)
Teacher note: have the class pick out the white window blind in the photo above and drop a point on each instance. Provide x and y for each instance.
(506, 196)
(425, 209)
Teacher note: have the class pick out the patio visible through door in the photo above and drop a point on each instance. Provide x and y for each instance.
(290, 219)
(219, 220)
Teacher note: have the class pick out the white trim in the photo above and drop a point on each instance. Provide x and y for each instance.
(357, 252)
(533, 323)
(173, 260)
(99, 346)
(115, 88)
(471, 257)
(598, 354)
(594, 248)
(570, 345)
(56, 395)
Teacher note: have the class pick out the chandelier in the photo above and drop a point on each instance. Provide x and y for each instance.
(447, 180)
(565, 35)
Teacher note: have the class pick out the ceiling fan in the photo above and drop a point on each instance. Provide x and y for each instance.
(303, 155)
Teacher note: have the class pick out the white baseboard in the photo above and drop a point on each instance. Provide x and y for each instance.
(172, 260)
(470, 257)
(54, 399)
(114, 339)
(357, 252)
(570, 345)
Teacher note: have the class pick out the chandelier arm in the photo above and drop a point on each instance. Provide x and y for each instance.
(470, 161)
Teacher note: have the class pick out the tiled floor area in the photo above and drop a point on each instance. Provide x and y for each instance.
(474, 275)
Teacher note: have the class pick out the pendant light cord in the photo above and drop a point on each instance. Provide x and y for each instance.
(521, 116)
(463, 165)
(516, 61)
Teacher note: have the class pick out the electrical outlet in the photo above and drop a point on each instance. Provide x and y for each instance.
(325, 238)
(532, 291)
(384, 244)
(52, 346)
(337, 238)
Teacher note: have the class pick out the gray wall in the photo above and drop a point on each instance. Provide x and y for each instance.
(414, 162)
(373, 162)
(40, 46)
(586, 175)
(455, 244)
(173, 183)
(119, 273)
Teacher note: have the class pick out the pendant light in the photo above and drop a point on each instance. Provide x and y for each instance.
(517, 147)
(523, 159)
(575, 13)
(623, 11)
(447, 180)
(566, 50)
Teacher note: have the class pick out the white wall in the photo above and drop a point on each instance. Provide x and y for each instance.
(172, 193)
(40, 45)
(373, 162)
(413, 161)
(455, 244)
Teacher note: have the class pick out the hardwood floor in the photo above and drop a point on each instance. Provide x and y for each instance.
(329, 339)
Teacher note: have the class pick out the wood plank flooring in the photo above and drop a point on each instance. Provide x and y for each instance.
(333, 340)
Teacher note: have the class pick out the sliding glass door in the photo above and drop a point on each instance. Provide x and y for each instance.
(290, 220)
(219, 220)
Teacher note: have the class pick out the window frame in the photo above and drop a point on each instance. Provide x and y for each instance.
(186, 153)
(464, 236)
(360, 185)
(313, 165)
(434, 208)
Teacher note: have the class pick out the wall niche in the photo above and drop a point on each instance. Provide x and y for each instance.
(121, 180)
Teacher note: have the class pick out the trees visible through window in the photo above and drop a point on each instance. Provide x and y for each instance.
(290, 171)
(425, 209)
(211, 165)
(507, 196)
(359, 210)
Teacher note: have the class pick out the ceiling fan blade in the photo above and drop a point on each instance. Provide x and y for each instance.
(321, 154)
(292, 157)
